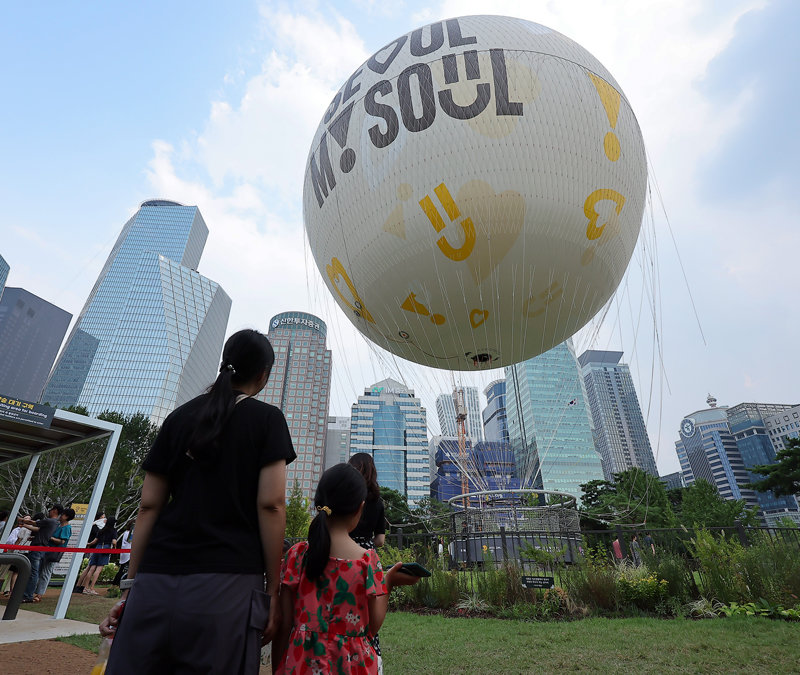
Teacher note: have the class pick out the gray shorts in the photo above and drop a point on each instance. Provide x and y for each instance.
(190, 624)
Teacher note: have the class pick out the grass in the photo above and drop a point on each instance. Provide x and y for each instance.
(432, 644)
(91, 643)
(88, 608)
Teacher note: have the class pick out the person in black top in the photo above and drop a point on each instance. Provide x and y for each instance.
(210, 529)
(105, 538)
(43, 529)
(371, 529)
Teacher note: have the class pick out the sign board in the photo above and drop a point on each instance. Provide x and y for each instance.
(538, 582)
(62, 566)
(26, 412)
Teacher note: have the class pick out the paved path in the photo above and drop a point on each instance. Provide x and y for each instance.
(35, 626)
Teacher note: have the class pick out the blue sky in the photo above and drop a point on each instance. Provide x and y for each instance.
(106, 105)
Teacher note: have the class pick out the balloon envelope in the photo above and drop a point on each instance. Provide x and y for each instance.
(474, 192)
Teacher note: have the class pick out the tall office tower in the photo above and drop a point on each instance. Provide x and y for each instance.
(549, 422)
(31, 331)
(748, 427)
(149, 337)
(390, 424)
(337, 443)
(489, 465)
(300, 385)
(5, 268)
(782, 426)
(619, 431)
(495, 424)
(707, 449)
(446, 409)
(673, 481)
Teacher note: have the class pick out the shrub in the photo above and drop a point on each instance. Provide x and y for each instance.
(641, 588)
(593, 584)
(675, 570)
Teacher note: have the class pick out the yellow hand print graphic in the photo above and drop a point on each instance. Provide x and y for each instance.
(451, 209)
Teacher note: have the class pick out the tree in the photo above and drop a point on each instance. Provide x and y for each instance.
(124, 484)
(703, 506)
(783, 477)
(297, 516)
(433, 515)
(635, 497)
(396, 508)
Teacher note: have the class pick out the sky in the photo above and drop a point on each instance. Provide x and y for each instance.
(215, 105)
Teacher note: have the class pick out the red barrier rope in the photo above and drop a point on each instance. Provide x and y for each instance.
(63, 549)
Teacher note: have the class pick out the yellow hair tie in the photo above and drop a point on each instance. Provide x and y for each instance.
(324, 508)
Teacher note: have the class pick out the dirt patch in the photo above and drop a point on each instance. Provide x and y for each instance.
(45, 657)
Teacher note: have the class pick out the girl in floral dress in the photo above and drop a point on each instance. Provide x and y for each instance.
(333, 592)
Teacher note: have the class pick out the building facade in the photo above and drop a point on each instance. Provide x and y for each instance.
(620, 433)
(748, 427)
(149, 337)
(488, 465)
(495, 422)
(300, 385)
(446, 410)
(337, 442)
(31, 331)
(783, 425)
(673, 481)
(389, 423)
(549, 422)
(5, 268)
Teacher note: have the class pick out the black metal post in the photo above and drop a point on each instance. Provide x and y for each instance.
(742, 534)
(400, 538)
(504, 542)
(23, 566)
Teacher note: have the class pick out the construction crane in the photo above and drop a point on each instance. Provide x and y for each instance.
(461, 432)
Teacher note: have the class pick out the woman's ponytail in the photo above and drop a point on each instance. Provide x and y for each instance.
(340, 492)
(246, 356)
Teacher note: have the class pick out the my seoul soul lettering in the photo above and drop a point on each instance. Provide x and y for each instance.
(384, 98)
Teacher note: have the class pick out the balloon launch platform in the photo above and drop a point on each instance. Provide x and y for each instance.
(503, 524)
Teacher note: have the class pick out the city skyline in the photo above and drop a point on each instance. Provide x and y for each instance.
(706, 81)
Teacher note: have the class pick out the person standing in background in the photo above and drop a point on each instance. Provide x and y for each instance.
(51, 558)
(124, 558)
(107, 538)
(42, 531)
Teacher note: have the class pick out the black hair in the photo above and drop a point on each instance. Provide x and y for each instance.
(38, 516)
(246, 355)
(341, 489)
(3, 515)
(366, 465)
(56, 507)
(69, 513)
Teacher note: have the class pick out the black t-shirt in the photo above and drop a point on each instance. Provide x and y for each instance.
(46, 528)
(372, 523)
(210, 523)
(105, 537)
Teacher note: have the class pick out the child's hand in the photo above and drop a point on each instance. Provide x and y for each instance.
(394, 577)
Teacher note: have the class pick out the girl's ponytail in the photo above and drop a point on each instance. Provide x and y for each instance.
(340, 492)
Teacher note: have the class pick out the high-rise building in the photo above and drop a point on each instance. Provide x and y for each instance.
(706, 449)
(495, 424)
(747, 425)
(673, 481)
(337, 442)
(446, 410)
(150, 334)
(389, 423)
(783, 425)
(300, 385)
(5, 268)
(620, 434)
(31, 331)
(549, 422)
(488, 465)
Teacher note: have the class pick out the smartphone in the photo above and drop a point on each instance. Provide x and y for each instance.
(414, 569)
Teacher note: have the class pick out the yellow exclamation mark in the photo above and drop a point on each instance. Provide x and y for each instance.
(610, 98)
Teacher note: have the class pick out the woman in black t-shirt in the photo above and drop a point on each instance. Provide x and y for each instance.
(105, 538)
(210, 528)
(371, 529)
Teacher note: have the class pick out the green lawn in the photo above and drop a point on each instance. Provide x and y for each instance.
(433, 644)
(89, 608)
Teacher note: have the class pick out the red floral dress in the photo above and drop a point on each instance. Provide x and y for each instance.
(331, 615)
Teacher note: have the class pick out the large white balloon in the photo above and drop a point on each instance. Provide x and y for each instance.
(474, 192)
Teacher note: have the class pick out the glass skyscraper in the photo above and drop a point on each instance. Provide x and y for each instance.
(5, 268)
(31, 331)
(150, 334)
(619, 430)
(549, 422)
(390, 424)
(495, 422)
(446, 410)
(300, 385)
